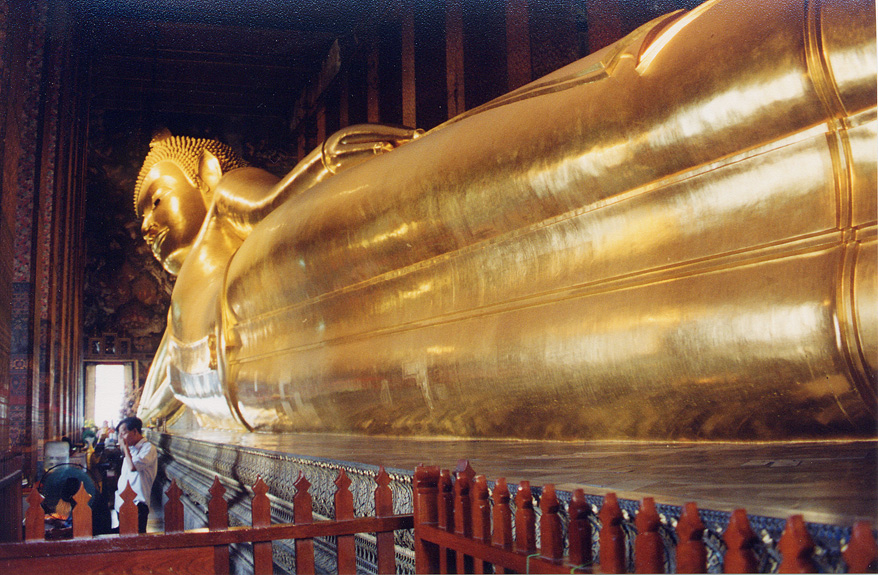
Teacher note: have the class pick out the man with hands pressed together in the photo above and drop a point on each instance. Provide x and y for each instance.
(139, 468)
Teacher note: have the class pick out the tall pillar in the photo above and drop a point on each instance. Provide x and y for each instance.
(21, 166)
(320, 119)
(373, 109)
(40, 157)
(517, 43)
(344, 98)
(604, 23)
(408, 67)
(7, 220)
(454, 58)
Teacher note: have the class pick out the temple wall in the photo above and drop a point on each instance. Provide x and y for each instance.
(42, 123)
(7, 207)
(23, 74)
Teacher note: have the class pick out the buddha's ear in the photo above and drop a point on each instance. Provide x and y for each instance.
(209, 170)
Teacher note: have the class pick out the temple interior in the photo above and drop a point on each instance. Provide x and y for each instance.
(85, 85)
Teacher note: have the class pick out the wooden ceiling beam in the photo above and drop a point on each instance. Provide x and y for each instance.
(201, 107)
(196, 73)
(193, 94)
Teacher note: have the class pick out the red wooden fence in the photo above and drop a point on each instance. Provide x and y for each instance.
(203, 551)
(456, 527)
(475, 546)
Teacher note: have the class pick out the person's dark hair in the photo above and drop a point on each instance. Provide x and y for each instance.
(131, 423)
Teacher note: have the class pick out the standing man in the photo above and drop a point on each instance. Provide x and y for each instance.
(139, 468)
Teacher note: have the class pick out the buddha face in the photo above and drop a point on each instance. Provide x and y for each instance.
(173, 211)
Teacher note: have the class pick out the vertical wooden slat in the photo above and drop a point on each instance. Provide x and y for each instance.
(217, 520)
(525, 520)
(35, 518)
(518, 64)
(301, 144)
(649, 551)
(426, 490)
(302, 514)
(174, 508)
(796, 547)
(260, 509)
(551, 541)
(408, 65)
(861, 554)
(344, 509)
(481, 517)
(739, 538)
(462, 507)
(344, 97)
(82, 514)
(384, 508)
(446, 519)
(463, 519)
(612, 539)
(691, 551)
(373, 95)
(465, 469)
(454, 58)
(502, 516)
(604, 23)
(579, 530)
(128, 512)
(320, 120)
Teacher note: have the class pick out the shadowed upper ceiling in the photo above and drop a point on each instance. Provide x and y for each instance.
(206, 57)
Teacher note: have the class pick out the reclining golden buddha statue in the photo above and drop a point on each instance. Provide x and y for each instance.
(674, 237)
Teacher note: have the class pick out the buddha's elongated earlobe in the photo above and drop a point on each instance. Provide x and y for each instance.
(210, 172)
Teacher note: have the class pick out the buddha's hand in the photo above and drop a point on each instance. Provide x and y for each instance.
(355, 144)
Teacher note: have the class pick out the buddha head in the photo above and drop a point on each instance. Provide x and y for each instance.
(174, 190)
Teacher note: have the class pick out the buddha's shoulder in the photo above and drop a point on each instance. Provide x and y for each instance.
(247, 182)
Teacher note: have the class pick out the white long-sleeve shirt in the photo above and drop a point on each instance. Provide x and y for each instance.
(141, 476)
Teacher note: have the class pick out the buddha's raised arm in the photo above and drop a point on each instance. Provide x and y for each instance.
(243, 199)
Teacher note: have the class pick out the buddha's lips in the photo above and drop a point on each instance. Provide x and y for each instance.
(158, 241)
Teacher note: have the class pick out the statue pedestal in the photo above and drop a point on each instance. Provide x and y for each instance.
(832, 484)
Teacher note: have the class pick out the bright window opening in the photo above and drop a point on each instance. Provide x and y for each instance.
(109, 392)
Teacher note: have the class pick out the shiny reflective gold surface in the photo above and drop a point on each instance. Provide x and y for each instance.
(672, 238)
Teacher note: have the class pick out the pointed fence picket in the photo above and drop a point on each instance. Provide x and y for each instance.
(260, 509)
(173, 510)
(649, 549)
(446, 515)
(691, 551)
(861, 554)
(217, 520)
(611, 553)
(579, 530)
(502, 516)
(739, 539)
(346, 545)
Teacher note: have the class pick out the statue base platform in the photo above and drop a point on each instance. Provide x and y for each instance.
(832, 484)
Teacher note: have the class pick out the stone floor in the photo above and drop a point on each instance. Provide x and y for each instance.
(832, 482)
